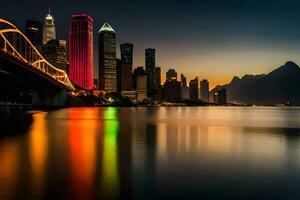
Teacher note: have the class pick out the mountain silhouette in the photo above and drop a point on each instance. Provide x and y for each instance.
(281, 86)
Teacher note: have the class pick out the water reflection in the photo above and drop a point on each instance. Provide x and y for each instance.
(38, 144)
(109, 176)
(9, 168)
(153, 153)
(82, 130)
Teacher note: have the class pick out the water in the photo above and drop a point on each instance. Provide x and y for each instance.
(151, 153)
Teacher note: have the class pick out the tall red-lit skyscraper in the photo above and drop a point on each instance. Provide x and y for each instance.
(81, 50)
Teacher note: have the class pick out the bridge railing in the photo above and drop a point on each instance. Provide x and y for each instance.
(15, 43)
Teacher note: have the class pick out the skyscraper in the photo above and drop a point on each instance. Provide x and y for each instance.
(183, 81)
(171, 74)
(107, 59)
(126, 53)
(150, 69)
(55, 52)
(126, 66)
(157, 77)
(172, 91)
(184, 88)
(34, 32)
(81, 50)
(140, 83)
(136, 72)
(118, 66)
(157, 83)
(49, 32)
(204, 90)
(194, 91)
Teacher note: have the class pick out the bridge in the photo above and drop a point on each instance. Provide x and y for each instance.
(23, 70)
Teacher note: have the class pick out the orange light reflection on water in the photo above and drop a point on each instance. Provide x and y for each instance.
(38, 140)
(82, 128)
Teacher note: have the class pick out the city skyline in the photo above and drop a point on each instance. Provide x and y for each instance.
(213, 40)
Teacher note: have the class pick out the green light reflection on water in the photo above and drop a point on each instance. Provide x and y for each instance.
(110, 175)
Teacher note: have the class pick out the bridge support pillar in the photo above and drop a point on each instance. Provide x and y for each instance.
(49, 98)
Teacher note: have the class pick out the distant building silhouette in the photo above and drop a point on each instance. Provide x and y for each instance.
(171, 74)
(222, 96)
(107, 59)
(34, 32)
(172, 91)
(204, 90)
(126, 67)
(81, 50)
(150, 69)
(194, 89)
(55, 53)
(215, 98)
(140, 83)
(118, 66)
(135, 73)
(126, 53)
(157, 83)
(185, 93)
(49, 32)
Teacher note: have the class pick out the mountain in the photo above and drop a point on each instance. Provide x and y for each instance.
(280, 86)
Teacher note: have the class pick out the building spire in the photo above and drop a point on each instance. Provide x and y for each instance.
(49, 10)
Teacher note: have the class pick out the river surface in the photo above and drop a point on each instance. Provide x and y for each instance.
(151, 153)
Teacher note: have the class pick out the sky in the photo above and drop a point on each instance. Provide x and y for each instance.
(211, 39)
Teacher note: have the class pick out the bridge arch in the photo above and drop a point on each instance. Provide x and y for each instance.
(16, 44)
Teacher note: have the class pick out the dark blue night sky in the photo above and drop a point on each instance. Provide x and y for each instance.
(213, 39)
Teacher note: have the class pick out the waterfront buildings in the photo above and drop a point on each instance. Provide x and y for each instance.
(172, 91)
(185, 93)
(136, 72)
(157, 83)
(107, 59)
(81, 50)
(55, 53)
(171, 74)
(140, 83)
(126, 67)
(194, 84)
(34, 32)
(49, 32)
(204, 90)
(127, 53)
(150, 69)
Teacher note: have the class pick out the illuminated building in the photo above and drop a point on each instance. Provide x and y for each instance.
(204, 90)
(49, 32)
(55, 53)
(222, 96)
(184, 88)
(150, 69)
(34, 32)
(172, 91)
(194, 90)
(126, 67)
(107, 59)
(171, 75)
(81, 50)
